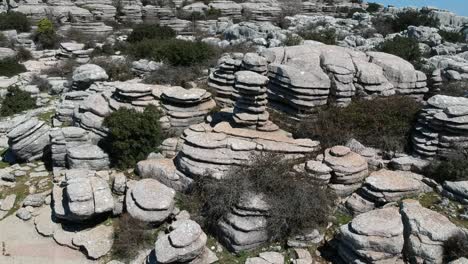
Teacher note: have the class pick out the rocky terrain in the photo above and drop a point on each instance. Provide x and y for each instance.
(218, 131)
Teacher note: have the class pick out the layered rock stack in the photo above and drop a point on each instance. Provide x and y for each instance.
(262, 11)
(185, 107)
(72, 50)
(90, 115)
(29, 139)
(250, 108)
(87, 156)
(244, 228)
(86, 75)
(457, 191)
(227, 8)
(63, 138)
(66, 107)
(441, 129)
(371, 80)
(385, 186)
(81, 196)
(373, 237)
(318, 172)
(134, 95)
(185, 242)
(254, 62)
(223, 78)
(149, 200)
(349, 170)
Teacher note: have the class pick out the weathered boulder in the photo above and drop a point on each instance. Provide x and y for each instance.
(29, 139)
(87, 156)
(87, 74)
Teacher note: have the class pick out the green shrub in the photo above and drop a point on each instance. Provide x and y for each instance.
(448, 170)
(173, 51)
(14, 20)
(118, 70)
(131, 236)
(456, 247)
(290, 196)
(384, 123)
(383, 24)
(450, 36)
(413, 18)
(10, 67)
(132, 135)
(292, 40)
(150, 31)
(171, 75)
(23, 54)
(325, 36)
(403, 47)
(16, 101)
(373, 7)
(45, 35)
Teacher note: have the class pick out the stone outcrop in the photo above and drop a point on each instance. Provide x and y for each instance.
(149, 200)
(244, 228)
(441, 129)
(318, 172)
(457, 191)
(86, 75)
(184, 107)
(62, 139)
(185, 242)
(349, 170)
(81, 196)
(87, 156)
(373, 237)
(29, 139)
(222, 79)
(385, 186)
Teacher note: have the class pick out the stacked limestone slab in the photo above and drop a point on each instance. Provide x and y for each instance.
(185, 242)
(318, 172)
(227, 8)
(90, 114)
(134, 95)
(371, 80)
(250, 108)
(244, 228)
(349, 170)
(28, 140)
(254, 62)
(184, 107)
(63, 138)
(373, 237)
(262, 10)
(81, 196)
(442, 127)
(87, 156)
(385, 186)
(149, 200)
(223, 78)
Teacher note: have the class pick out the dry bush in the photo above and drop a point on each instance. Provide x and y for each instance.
(130, 236)
(456, 247)
(61, 69)
(459, 89)
(297, 204)
(384, 123)
(117, 69)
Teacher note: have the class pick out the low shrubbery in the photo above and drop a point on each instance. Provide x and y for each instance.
(150, 31)
(10, 67)
(173, 51)
(117, 69)
(14, 20)
(448, 170)
(292, 40)
(16, 101)
(41, 83)
(325, 36)
(130, 236)
(405, 48)
(23, 54)
(61, 69)
(459, 89)
(373, 7)
(45, 35)
(456, 247)
(171, 75)
(132, 135)
(384, 123)
(450, 36)
(298, 204)
(386, 24)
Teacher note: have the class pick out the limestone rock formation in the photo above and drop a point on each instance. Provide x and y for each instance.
(149, 200)
(457, 191)
(62, 139)
(86, 75)
(29, 139)
(87, 156)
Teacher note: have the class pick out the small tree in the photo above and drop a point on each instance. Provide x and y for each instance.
(45, 35)
(403, 47)
(16, 101)
(14, 20)
(132, 135)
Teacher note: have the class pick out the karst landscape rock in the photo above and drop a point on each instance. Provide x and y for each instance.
(232, 131)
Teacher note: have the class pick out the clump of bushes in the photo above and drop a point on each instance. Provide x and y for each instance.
(454, 37)
(41, 83)
(384, 123)
(46, 36)
(403, 47)
(292, 40)
(325, 36)
(373, 7)
(16, 101)
(132, 135)
(458, 89)
(149, 31)
(118, 70)
(130, 236)
(14, 20)
(455, 169)
(298, 204)
(171, 75)
(23, 54)
(387, 24)
(61, 69)
(173, 51)
(456, 247)
(10, 67)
